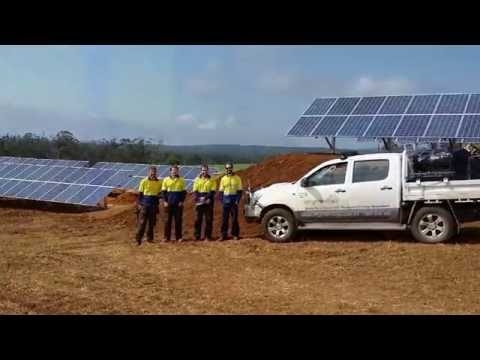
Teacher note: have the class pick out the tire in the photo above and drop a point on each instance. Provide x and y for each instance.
(432, 225)
(279, 225)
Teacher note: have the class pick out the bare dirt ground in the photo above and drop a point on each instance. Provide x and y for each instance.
(56, 261)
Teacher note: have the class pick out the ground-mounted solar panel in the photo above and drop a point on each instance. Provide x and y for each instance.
(68, 193)
(11, 189)
(344, 106)
(120, 179)
(423, 104)
(53, 192)
(412, 126)
(320, 106)
(444, 126)
(395, 105)
(304, 126)
(470, 127)
(28, 189)
(369, 105)
(383, 126)
(95, 196)
(452, 104)
(329, 126)
(473, 106)
(355, 126)
(75, 175)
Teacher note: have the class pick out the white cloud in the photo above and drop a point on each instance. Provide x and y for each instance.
(193, 121)
(367, 85)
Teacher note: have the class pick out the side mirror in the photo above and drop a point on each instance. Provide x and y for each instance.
(304, 182)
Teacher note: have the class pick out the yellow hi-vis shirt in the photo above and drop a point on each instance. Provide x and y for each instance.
(173, 184)
(150, 187)
(230, 184)
(204, 185)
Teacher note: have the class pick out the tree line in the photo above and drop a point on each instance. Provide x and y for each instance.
(64, 145)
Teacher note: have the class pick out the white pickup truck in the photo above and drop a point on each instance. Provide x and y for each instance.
(366, 192)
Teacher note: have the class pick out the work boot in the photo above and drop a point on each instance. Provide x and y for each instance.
(236, 238)
(165, 240)
(180, 240)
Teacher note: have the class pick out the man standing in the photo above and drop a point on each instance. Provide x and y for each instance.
(230, 194)
(147, 206)
(174, 193)
(204, 191)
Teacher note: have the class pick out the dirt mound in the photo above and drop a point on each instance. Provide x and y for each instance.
(123, 199)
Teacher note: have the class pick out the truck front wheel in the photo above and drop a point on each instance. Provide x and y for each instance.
(279, 225)
(432, 225)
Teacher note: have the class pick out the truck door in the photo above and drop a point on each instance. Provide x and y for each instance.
(321, 194)
(374, 190)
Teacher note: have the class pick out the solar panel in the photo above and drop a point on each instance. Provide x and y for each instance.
(452, 104)
(343, 106)
(304, 126)
(68, 193)
(412, 125)
(383, 126)
(320, 106)
(355, 126)
(444, 125)
(473, 104)
(470, 127)
(329, 126)
(395, 105)
(95, 196)
(423, 104)
(369, 105)
(433, 117)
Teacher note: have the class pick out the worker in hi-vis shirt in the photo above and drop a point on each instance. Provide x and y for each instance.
(204, 192)
(230, 191)
(147, 206)
(174, 193)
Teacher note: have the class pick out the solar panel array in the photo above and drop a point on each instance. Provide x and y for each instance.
(435, 117)
(59, 184)
(33, 161)
(71, 181)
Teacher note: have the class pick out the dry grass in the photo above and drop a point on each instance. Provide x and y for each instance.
(57, 263)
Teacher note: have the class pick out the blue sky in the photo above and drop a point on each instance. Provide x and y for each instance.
(183, 95)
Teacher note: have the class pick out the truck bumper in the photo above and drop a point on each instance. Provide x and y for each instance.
(252, 213)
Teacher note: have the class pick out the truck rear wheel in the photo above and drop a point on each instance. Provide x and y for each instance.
(432, 225)
(279, 225)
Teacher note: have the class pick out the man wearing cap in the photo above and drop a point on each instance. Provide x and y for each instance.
(230, 193)
(174, 192)
(147, 204)
(204, 191)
